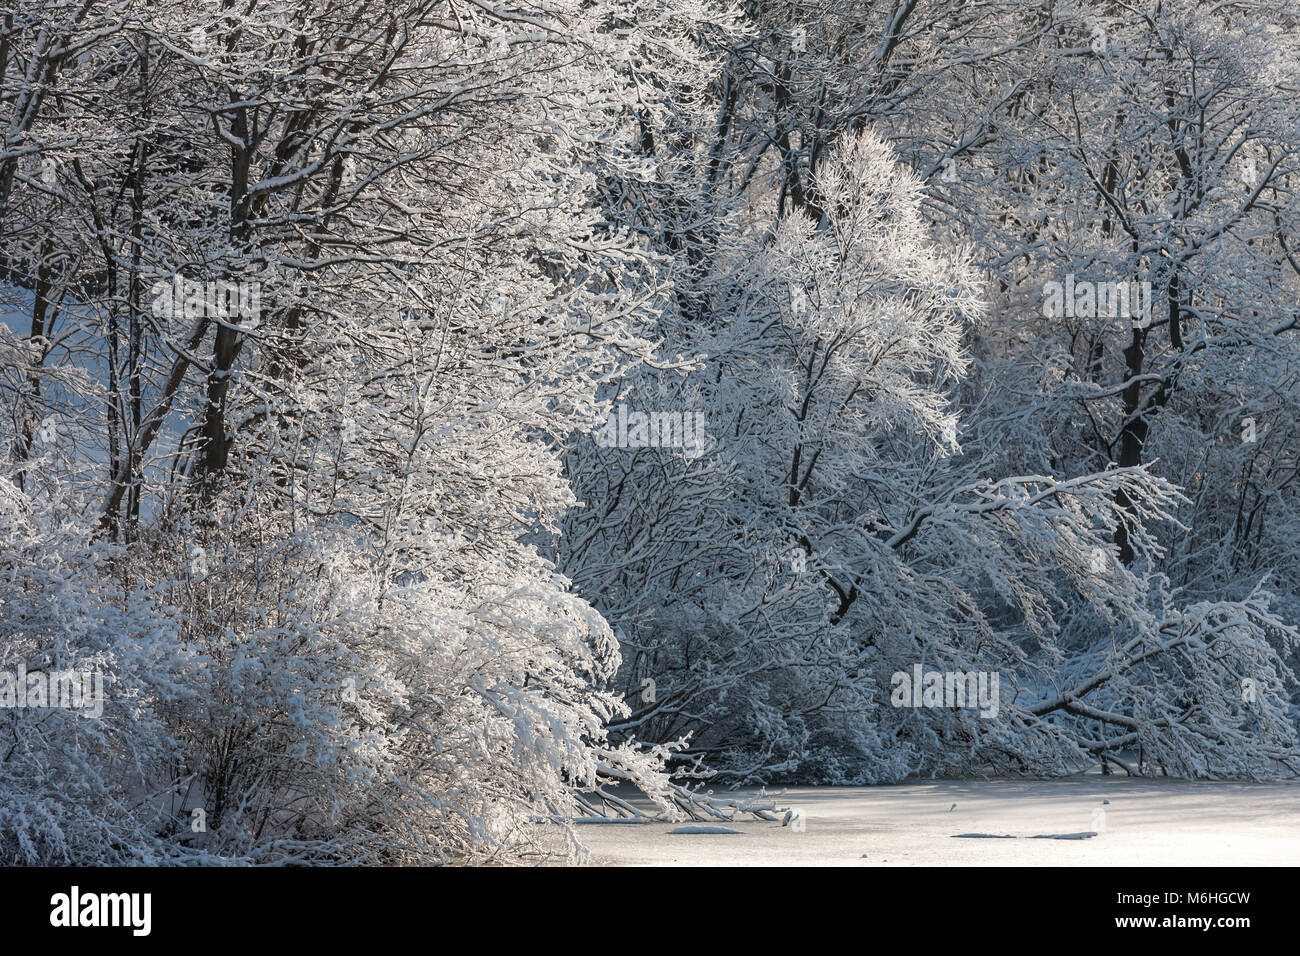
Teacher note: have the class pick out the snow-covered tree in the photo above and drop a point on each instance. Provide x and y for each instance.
(333, 289)
(864, 492)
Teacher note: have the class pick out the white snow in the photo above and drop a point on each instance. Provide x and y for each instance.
(1146, 823)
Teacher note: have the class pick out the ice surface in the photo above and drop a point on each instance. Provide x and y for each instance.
(1146, 823)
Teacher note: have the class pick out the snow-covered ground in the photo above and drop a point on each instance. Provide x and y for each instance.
(1146, 823)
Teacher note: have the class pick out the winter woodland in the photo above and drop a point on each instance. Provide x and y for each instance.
(431, 421)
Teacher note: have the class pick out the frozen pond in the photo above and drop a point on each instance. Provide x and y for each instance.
(1146, 823)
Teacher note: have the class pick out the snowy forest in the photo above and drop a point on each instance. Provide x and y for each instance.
(428, 424)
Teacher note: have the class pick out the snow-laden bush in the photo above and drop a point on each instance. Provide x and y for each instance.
(83, 784)
(342, 717)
